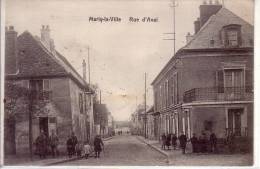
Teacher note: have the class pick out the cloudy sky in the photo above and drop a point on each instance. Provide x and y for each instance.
(120, 52)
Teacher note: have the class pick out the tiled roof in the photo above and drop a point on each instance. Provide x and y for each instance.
(35, 60)
(211, 30)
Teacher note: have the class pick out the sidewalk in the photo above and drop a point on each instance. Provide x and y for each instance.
(12, 160)
(175, 157)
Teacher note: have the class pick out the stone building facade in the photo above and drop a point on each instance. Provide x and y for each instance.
(208, 85)
(62, 100)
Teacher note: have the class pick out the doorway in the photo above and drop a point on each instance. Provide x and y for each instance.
(234, 121)
(43, 125)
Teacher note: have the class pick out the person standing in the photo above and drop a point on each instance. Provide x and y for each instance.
(69, 146)
(163, 137)
(213, 142)
(174, 141)
(41, 144)
(168, 141)
(98, 144)
(183, 142)
(54, 141)
(194, 143)
(74, 142)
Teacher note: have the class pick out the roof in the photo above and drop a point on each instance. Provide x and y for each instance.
(35, 60)
(211, 30)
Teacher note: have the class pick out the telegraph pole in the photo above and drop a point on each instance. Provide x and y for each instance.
(145, 115)
(174, 5)
(88, 66)
(100, 97)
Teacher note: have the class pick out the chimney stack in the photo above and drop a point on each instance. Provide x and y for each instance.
(196, 25)
(46, 39)
(11, 50)
(45, 36)
(207, 10)
(84, 69)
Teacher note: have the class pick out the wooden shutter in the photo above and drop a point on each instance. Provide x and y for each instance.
(249, 80)
(220, 81)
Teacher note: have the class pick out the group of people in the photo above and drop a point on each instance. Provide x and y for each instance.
(45, 144)
(202, 144)
(75, 147)
(171, 140)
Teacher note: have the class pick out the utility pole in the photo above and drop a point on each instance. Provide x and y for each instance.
(100, 97)
(88, 66)
(31, 102)
(174, 5)
(145, 115)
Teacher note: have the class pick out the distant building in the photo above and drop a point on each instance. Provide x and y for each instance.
(207, 86)
(62, 100)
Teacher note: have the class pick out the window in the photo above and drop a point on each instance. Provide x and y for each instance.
(231, 35)
(46, 89)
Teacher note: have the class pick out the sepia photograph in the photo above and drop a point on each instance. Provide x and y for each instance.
(127, 83)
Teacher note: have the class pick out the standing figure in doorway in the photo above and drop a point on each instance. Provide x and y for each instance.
(41, 144)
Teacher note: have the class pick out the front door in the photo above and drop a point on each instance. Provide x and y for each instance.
(43, 125)
(234, 121)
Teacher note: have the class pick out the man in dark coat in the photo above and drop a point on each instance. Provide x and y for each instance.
(98, 144)
(41, 144)
(174, 143)
(213, 142)
(70, 146)
(74, 142)
(194, 143)
(168, 141)
(183, 142)
(163, 137)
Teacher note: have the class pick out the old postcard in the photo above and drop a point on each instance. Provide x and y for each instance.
(127, 83)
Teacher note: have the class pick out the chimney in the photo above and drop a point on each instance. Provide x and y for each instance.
(11, 50)
(45, 36)
(188, 37)
(207, 10)
(197, 25)
(84, 69)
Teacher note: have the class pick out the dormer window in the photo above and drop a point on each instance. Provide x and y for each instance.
(231, 35)
(232, 38)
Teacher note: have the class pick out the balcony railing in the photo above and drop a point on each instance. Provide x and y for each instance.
(218, 94)
(241, 131)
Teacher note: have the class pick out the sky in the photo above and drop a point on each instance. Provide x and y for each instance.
(120, 52)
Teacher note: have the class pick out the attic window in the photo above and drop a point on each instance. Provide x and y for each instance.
(231, 35)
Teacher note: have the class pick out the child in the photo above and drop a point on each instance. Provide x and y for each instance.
(87, 149)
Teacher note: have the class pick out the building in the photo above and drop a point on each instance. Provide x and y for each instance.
(101, 115)
(207, 86)
(60, 99)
